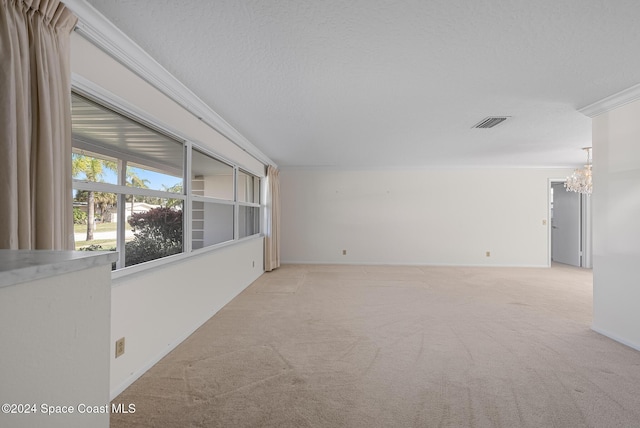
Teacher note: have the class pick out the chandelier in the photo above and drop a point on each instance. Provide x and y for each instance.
(580, 180)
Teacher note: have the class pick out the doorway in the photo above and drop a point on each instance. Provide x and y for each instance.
(570, 226)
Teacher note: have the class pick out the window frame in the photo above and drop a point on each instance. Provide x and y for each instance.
(257, 193)
(110, 101)
(212, 199)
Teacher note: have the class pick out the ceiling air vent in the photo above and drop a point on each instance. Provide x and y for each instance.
(490, 122)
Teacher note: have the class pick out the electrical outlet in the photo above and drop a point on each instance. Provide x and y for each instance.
(488, 253)
(344, 252)
(544, 222)
(119, 347)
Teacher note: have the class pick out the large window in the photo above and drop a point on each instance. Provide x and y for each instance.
(248, 191)
(213, 200)
(130, 193)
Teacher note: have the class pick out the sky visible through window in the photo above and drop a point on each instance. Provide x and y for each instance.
(156, 180)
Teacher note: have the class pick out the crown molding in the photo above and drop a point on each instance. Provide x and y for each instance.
(612, 102)
(97, 29)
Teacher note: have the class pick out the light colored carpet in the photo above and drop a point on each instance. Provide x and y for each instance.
(385, 346)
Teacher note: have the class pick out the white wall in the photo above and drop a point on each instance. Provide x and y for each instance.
(158, 308)
(616, 224)
(430, 216)
(218, 223)
(219, 186)
(54, 348)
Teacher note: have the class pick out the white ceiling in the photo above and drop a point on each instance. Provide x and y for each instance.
(379, 83)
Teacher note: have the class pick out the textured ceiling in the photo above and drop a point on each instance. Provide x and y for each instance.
(378, 83)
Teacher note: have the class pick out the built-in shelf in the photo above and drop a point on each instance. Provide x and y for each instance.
(197, 213)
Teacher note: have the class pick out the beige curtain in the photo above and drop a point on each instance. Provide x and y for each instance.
(272, 232)
(35, 125)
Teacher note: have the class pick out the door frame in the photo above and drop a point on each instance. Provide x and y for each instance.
(585, 226)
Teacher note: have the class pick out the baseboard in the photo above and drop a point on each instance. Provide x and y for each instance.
(315, 262)
(617, 338)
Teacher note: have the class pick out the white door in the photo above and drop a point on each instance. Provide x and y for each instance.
(565, 226)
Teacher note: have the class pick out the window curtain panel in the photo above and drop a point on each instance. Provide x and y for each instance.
(272, 232)
(35, 125)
